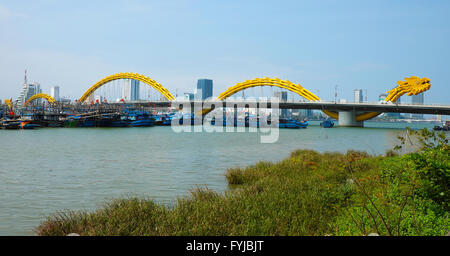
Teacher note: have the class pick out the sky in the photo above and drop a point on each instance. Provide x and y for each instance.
(319, 44)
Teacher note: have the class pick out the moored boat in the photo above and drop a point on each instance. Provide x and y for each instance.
(292, 123)
(327, 124)
(11, 124)
(140, 119)
(28, 125)
(444, 127)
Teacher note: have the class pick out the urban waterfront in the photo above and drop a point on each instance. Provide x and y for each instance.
(47, 170)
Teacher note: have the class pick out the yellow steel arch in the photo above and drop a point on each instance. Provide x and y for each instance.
(285, 84)
(134, 76)
(412, 86)
(49, 98)
(360, 117)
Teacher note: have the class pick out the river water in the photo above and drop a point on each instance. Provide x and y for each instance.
(43, 171)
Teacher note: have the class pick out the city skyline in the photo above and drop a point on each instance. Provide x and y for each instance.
(130, 91)
(315, 47)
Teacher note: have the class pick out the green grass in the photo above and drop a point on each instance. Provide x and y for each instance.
(306, 194)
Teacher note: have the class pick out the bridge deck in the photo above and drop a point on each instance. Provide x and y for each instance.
(358, 107)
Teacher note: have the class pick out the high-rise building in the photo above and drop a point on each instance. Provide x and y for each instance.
(382, 97)
(305, 113)
(358, 93)
(28, 91)
(54, 92)
(417, 100)
(204, 89)
(130, 90)
(282, 96)
(188, 96)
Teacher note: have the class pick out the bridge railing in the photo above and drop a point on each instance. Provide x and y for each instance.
(293, 101)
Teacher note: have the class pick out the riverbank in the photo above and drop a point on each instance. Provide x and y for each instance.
(309, 193)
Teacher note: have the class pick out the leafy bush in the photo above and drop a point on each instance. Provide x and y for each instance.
(404, 195)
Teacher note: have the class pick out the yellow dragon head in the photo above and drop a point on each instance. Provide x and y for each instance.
(412, 86)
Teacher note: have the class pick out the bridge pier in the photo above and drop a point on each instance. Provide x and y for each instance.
(348, 119)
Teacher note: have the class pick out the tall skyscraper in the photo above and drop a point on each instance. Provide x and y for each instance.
(358, 95)
(417, 100)
(130, 90)
(28, 91)
(306, 113)
(282, 96)
(54, 92)
(188, 96)
(204, 89)
(382, 97)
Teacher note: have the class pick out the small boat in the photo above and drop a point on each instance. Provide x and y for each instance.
(327, 124)
(303, 124)
(247, 121)
(444, 127)
(164, 119)
(186, 118)
(218, 123)
(291, 123)
(11, 124)
(28, 125)
(142, 123)
(139, 119)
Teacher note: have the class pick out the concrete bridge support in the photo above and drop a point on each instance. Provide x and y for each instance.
(348, 119)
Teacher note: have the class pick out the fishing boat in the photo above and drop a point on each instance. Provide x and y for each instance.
(79, 121)
(292, 123)
(327, 124)
(140, 119)
(164, 119)
(443, 127)
(28, 125)
(186, 118)
(303, 124)
(11, 124)
(43, 120)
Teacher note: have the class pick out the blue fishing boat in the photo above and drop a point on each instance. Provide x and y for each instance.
(140, 119)
(289, 123)
(303, 124)
(327, 124)
(78, 121)
(11, 124)
(186, 118)
(231, 121)
(444, 127)
(164, 119)
(26, 125)
(85, 122)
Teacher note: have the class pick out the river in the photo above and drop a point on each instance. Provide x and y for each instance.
(43, 171)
